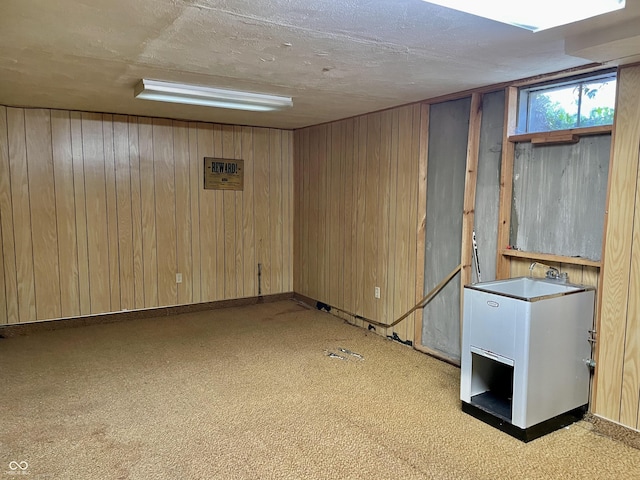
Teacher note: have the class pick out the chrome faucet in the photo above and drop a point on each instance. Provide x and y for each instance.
(552, 272)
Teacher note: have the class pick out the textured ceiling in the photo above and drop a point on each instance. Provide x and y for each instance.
(336, 58)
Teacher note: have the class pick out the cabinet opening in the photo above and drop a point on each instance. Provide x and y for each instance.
(492, 386)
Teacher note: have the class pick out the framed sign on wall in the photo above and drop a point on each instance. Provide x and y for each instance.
(223, 174)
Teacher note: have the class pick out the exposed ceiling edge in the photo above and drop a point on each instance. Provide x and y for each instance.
(620, 44)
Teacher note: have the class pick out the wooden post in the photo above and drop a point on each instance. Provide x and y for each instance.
(422, 215)
(506, 181)
(468, 212)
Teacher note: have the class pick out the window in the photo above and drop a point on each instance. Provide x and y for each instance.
(579, 102)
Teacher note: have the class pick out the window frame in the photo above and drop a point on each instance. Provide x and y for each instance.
(523, 102)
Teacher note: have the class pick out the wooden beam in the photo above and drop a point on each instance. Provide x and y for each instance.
(506, 180)
(555, 139)
(579, 132)
(548, 257)
(422, 215)
(468, 210)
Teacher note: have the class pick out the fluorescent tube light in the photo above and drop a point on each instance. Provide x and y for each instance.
(533, 15)
(209, 97)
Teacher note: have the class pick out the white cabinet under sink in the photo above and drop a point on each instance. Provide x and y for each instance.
(524, 352)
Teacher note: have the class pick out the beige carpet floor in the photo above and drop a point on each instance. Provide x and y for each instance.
(249, 393)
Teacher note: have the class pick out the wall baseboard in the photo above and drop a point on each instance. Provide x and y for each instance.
(19, 329)
(614, 430)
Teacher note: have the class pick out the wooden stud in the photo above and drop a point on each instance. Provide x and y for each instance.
(469, 202)
(422, 216)
(506, 181)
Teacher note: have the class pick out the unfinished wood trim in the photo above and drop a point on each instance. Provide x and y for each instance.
(549, 257)
(555, 139)
(538, 137)
(617, 248)
(423, 158)
(506, 180)
(469, 202)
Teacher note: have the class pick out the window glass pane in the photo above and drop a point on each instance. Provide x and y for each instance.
(598, 102)
(554, 108)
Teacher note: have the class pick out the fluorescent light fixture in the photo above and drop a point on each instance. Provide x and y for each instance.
(533, 15)
(209, 97)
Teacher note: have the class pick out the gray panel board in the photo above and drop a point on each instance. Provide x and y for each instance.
(559, 196)
(448, 132)
(488, 184)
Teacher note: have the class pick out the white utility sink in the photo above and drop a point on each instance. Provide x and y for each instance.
(526, 288)
(525, 349)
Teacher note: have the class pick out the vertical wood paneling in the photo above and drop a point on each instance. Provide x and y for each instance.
(21, 214)
(248, 216)
(631, 369)
(136, 212)
(404, 289)
(275, 207)
(196, 184)
(357, 224)
(383, 208)
(361, 189)
(183, 211)
(311, 211)
(123, 209)
(79, 189)
(99, 212)
(338, 139)
(287, 213)
(112, 211)
(412, 234)
(42, 200)
(3, 297)
(304, 161)
(613, 399)
(229, 215)
(350, 216)
(297, 207)
(219, 217)
(148, 196)
(321, 225)
(237, 199)
(96, 202)
(371, 215)
(165, 210)
(393, 269)
(9, 273)
(207, 218)
(261, 206)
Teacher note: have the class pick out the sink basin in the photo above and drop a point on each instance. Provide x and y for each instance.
(529, 289)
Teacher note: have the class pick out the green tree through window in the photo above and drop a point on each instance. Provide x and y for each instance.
(579, 103)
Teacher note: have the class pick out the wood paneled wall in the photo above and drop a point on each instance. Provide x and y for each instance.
(356, 223)
(99, 213)
(617, 383)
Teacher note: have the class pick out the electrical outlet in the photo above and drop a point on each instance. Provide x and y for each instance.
(376, 292)
(178, 278)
